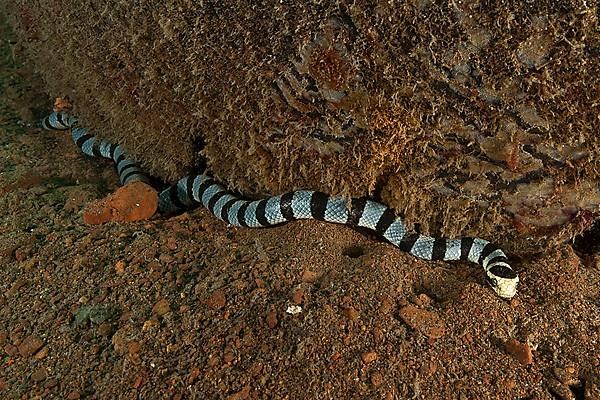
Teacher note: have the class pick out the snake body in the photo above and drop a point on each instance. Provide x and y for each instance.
(195, 190)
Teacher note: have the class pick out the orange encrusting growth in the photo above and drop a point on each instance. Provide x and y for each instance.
(135, 201)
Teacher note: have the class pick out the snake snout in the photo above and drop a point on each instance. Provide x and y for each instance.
(503, 280)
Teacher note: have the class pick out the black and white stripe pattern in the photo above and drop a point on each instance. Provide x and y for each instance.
(195, 190)
(127, 169)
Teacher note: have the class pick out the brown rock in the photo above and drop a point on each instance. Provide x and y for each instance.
(241, 395)
(120, 267)
(378, 335)
(423, 300)
(19, 283)
(39, 375)
(193, 376)
(386, 305)
(369, 357)
(50, 383)
(42, 353)
(104, 329)
(272, 319)
(520, 351)
(171, 243)
(133, 347)
(309, 276)
(133, 202)
(427, 322)
(11, 350)
(298, 296)
(30, 345)
(74, 395)
(217, 300)
(119, 341)
(351, 314)
(161, 307)
(376, 378)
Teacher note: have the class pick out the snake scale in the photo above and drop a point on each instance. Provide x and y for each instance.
(195, 190)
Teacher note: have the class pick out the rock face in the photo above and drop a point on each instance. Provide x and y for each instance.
(472, 117)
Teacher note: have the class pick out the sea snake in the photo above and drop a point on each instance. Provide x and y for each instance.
(195, 190)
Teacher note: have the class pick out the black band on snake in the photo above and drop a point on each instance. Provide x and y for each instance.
(195, 190)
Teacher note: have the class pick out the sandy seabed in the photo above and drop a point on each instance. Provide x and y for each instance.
(187, 307)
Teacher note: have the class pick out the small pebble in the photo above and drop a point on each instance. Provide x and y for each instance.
(298, 296)
(42, 353)
(11, 350)
(161, 307)
(272, 319)
(30, 345)
(351, 313)
(369, 357)
(309, 276)
(520, 351)
(193, 376)
(74, 395)
(510, 384)
(217, 300)
(133, 347)
(241, 395)
(50, 383)
(386, 305)
(228, 357)
(104, 329)
(19, 283)
(120, 267)
(119, 341)
(423, 300)
(427, 322)
(21, 254)
(39, 375)
(171, 243)
(293, 309)
(566, 375)
(376, 378)
(150, 325)
(378, 335)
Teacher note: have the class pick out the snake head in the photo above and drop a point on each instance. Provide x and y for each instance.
(502, 279)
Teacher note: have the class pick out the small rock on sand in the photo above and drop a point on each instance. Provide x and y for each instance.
(30, 345)
(520, 351)
(427, 322)
(39, 375)
(217, 300)
(161, 307)
(135, 201)
(272, 319)
(369, 357)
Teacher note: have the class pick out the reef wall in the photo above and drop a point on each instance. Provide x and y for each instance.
(469, 117)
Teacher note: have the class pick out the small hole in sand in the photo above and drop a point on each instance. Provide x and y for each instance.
(353, 251)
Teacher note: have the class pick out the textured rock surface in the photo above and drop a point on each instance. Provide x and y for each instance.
(470, 117)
